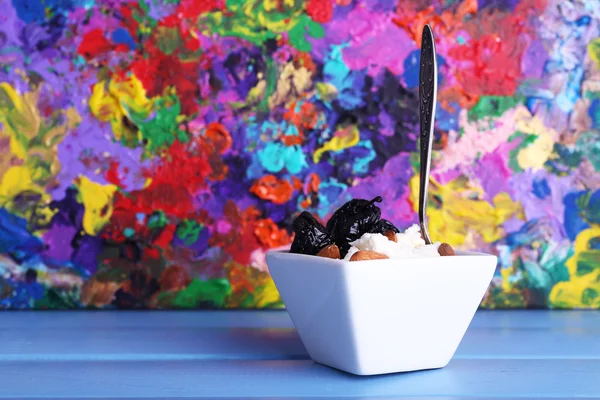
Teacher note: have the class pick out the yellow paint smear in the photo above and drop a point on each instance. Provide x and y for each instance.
(97, 201)
(343, 139)
(463, 211)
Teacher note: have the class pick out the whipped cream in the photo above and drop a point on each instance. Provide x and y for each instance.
(410, 244)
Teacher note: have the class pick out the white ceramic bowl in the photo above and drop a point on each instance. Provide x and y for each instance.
(381, 316)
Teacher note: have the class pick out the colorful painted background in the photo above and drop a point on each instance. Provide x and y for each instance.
(153, 150)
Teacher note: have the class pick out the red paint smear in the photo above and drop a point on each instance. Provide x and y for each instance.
(320, 11)
(279, 191)
(296, 183)
(269, 234)
(128, 21)
(93, 44)
(194, 8)
(217, 138)
(180, 174)
(488, 64)
(240, 279)
(492, 63)
(166, 236)
(174, 277)
(312, 183)
(413, 21)
(306, 118)
(112, 174)
(292, 140)
(159, 71)
(305, 60)
(216, 141)
(240, 241)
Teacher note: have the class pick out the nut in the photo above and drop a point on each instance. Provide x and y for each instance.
(391, 235)
(331, 251)
(364, 255)
(446, 250)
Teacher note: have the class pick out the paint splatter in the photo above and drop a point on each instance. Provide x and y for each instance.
(153, 151)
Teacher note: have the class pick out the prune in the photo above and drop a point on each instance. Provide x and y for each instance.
(311, 235)
(352, 220)
(383, 226)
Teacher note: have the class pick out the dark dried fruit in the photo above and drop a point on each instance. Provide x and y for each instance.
(311, 235)
(383, 226)
(352, 220)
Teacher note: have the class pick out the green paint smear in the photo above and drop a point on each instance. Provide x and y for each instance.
(248, 19)
(188, 231)
(199, 293)
(493, 106)
(589, 147)
(271, 77)
(157, 220)
(305, 26)
(163, 128)
(504, 300)
(589, 296)
(169, 40)
(562, 160)
(587, 261)
(57, 299)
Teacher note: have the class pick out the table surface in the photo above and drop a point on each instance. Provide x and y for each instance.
(257, 354)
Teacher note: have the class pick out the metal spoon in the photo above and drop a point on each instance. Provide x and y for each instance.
(427, 101)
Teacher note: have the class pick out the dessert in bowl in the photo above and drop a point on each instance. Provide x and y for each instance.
(368, 299)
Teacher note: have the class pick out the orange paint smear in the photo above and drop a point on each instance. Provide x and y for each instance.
(279, 191)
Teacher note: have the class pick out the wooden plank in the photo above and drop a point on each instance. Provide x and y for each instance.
(315, 398)
(269, 319)
(462, 378)
(164, 343)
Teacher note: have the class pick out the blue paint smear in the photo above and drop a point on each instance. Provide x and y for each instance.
(276, 156)
(583, 21)
(411, 69)
(329, 192)
(363, 153)
(574, 223)
(35, 10)
(541, 189)
(122, 36)
(498, 4)
(446, 120)
(348, 83)
(594, 113)
(15, 239)
(523, 235)
(567, 98)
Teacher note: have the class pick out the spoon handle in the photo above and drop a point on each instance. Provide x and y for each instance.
(427, 102)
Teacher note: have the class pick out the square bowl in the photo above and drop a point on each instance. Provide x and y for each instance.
(381, 316)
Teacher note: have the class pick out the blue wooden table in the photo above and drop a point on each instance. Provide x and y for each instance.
(247, 354)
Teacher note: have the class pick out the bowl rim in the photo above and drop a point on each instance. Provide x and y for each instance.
(285, 254)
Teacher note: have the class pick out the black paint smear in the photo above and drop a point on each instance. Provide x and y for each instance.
(69, 210)
(141, 289)
(400, 104)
